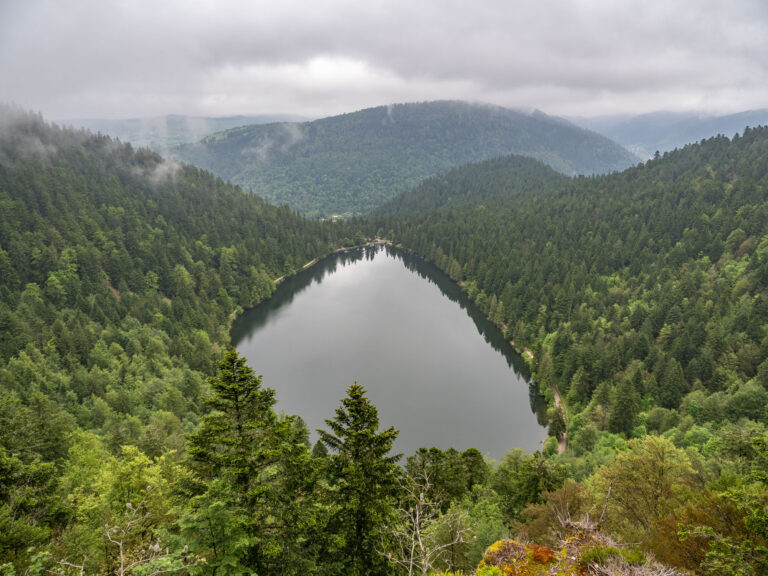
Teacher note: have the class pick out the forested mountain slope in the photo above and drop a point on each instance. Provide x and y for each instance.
(643, 297)
(118, 271)
(651, 283)
(356, 161)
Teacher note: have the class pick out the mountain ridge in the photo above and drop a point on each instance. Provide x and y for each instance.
(662, 131)
(353, 162)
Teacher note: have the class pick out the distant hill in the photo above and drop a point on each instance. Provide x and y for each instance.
(355, 162)
(505, 181)
(163, 132)
(663, 131)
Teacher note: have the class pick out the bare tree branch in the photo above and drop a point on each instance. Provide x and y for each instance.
(160, 561)
(415, 548)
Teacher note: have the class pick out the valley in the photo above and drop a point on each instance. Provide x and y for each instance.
(383, 288)
(640, 294)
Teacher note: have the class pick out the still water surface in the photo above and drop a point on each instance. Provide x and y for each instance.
(435, 368)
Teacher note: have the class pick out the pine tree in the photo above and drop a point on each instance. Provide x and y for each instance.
(365, 476)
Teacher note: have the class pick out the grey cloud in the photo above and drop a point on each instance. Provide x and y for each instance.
(91, 58)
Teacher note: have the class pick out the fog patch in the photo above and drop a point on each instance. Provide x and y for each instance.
(11, 117)
(164, 171)
(258, 152)
(31, 145)
(389, 119)
(21, 135)
(282, 138)
(293, 135)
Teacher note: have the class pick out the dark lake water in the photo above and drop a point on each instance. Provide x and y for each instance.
(435, 368)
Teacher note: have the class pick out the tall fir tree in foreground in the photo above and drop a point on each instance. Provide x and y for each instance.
(365, 479)
(255, 508)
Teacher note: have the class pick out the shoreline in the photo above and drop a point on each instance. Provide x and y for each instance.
(276, 281)
(526, 353)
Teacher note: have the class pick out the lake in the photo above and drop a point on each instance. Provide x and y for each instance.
(434, 367)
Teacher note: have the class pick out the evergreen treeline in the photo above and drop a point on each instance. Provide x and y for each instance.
(355, 162)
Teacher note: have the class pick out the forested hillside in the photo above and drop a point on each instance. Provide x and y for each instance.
(133, 441)
(354, 162)
(643, 297)
(118, 273)
(660, 269)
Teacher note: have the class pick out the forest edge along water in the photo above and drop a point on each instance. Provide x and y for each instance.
(443, 375)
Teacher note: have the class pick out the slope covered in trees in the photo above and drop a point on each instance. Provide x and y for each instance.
(643, 295)
(119, 271)
(354, 162)
(118, 456)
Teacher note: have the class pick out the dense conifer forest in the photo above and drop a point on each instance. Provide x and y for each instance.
(133, 440)
(656, 275)
(642, 298)
(356, 161)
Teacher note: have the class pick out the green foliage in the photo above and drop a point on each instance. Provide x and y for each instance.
(625, 409)
(451, 473)
(520, 479)
(488, 526)
(255, 477)
(364, 478)
(743, 551)
(354, 162)
(644, 482)
(640, 294)
(121, 268)
(120, 274)
(28, 504)
(489, 571)
(600, 554)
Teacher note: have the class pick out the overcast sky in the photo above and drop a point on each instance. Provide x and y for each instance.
(131, 58)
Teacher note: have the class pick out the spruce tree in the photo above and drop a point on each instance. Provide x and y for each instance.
(672, 385)
(365, 479)
(255, 506)
(625, 408)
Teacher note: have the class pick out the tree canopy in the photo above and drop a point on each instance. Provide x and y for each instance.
(355, 162)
